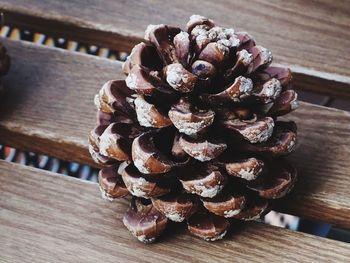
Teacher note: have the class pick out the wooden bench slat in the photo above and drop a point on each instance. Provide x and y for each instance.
(47, 217)
(304, 35)
(49, 108)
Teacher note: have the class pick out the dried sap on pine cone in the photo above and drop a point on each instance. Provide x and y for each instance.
(193, 132)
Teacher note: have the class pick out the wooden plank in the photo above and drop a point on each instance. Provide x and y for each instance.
(329, 84)
(49, 108)
(322, 160)
(311, 37)
(46, 217)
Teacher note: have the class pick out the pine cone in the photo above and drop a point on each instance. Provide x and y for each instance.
(4, 64)
(192, 133)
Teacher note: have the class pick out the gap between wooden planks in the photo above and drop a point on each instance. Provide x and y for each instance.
(48, 107)
(311, 37)
(47, 217)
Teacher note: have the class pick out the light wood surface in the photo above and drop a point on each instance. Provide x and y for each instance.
(312, 37)
(46, 217)
(48, 108)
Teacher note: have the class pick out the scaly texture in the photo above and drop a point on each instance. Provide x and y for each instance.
(193, 131)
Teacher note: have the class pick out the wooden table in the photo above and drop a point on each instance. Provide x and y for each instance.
(46, 217)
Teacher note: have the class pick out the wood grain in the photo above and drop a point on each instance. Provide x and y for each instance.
(48, 103)
(312, 37)
(48, 108)
(67, 221)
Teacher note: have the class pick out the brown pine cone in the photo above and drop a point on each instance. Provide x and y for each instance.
(4, 64)
(192, 133)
